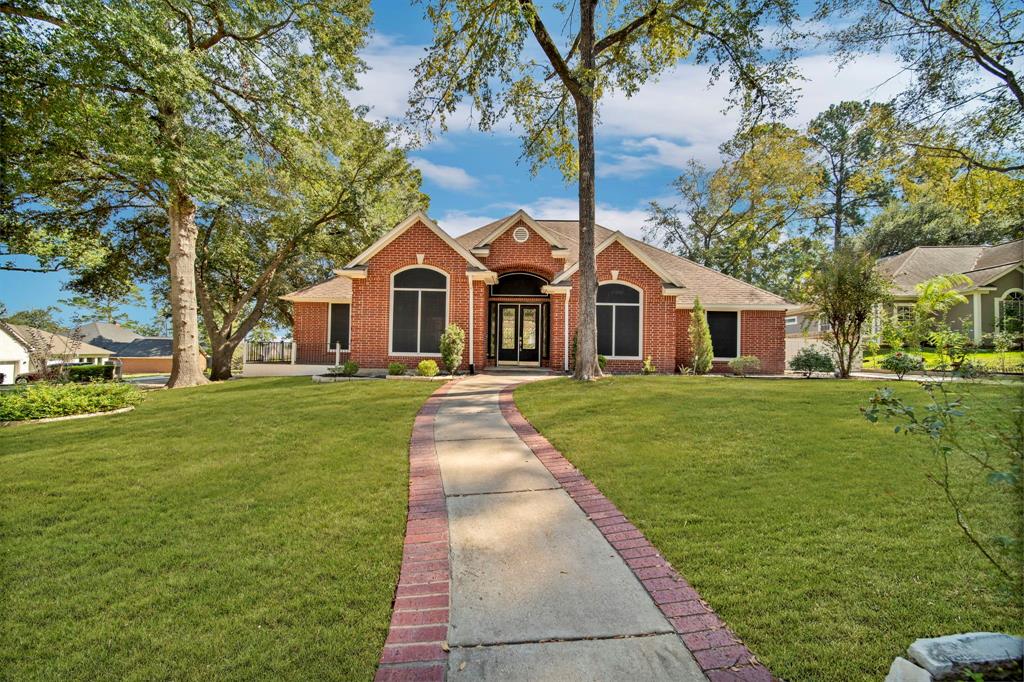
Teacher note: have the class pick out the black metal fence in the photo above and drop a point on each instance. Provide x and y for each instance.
(286, 352)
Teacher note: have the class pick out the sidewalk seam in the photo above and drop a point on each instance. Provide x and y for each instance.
(416, 647)
(718, 651)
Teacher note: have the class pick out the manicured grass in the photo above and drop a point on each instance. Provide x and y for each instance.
(248, 530)
(1008, 362)
(812, 532)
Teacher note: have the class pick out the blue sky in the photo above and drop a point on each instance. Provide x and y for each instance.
(474, 177)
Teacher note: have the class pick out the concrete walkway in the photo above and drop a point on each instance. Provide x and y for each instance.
(537, 592)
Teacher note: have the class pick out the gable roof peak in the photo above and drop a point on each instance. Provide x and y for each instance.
(413, 218)
(507, 223)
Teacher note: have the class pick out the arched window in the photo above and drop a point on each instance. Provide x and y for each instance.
(1010, 311)
(518, 284)
(419, 311)
(618, 321)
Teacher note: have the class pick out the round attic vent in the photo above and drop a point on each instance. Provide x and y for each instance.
(520, 234)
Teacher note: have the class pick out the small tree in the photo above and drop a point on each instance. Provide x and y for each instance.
(700, 339)
(934, 299)
(453, 341)
(844, 289)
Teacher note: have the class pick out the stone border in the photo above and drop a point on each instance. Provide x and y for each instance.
(68, 417)
(416, 647)
(718, 651)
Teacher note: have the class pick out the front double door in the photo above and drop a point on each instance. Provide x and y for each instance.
(519, 334)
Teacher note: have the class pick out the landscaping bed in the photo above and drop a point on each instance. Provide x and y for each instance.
(250, 529)
(49, 400)
(1007, 363)
(813, 533)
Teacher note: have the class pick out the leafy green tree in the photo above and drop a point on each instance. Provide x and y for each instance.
(40, 318)
(935, 297)
(844, 289)
(901, 226)
(104, 308)
(700, 339)
(141, 105)
(965, 56)
(856, 147)
(480, 52)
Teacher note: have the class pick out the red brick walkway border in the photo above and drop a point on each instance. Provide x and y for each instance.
(415, 649)
(718, 651)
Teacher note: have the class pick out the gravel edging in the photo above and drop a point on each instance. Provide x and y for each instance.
(716, 648)
(69, 417)
(416, 647)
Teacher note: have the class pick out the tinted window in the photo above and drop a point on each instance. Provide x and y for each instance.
(724, 333)
(420, 278)
(405, 317)
(617, 293)
(605, 317)
(339, 325)
(518, 284)
(627, 330)
(432, 306)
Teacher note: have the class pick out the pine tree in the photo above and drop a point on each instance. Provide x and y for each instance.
(700, 339)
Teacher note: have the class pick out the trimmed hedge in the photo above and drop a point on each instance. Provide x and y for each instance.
(91, 373)
(42, 400)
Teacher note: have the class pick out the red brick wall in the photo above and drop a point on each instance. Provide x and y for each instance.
(310, 334)
(145, 365)
(534, 255)
(762, 334)
(659, 311)
(371, 297)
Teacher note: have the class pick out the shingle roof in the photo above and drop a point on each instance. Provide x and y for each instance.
(146, 347)
(98, 332)
(713, 287)
(56, 344)
(983, 264)
(336, 289)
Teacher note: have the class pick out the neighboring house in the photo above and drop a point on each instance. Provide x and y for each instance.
(995, 294)
(19, 343)
(137, 354)
(513, 285)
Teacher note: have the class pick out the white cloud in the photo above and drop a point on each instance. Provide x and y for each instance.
(639, 157)
(460, 222)
(448, 177)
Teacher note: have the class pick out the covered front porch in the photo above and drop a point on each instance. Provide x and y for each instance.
(519, 331)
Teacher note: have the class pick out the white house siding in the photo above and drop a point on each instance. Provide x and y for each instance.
(13, 357)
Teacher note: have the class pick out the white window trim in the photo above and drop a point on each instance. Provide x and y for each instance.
(792, 319)
(640, 305)
(998, 304)
(419, 306)
(739, 329)
(896, 309)
(330, 307)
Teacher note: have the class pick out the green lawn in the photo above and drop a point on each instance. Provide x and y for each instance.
(245, 530)
(1008, 362)
(811, 531)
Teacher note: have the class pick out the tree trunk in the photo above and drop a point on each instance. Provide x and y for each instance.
(587, 367)
(187, 366)
(222, 353)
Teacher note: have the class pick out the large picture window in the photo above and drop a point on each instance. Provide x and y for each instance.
(618, 321)
(419, 311)
(725, 333)
(337, 334)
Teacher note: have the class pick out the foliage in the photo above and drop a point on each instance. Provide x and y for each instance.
(1002, 343)
(872, 345)
(994, 451)
(844, 496)
(453, 342)
(855, 147)
(935, 297)
(811, 359)
(232, 530)
(396, 369)
(602, 361)
(347, 369)
(42, 400)
(892, 332)
(952, 345)
(104, 306)
(844, 290)
(427, 368)
(700, 339)
(40, 318)
(744, 364)
(964, 58)
(649, 367)
(901, 363)
(90, 372)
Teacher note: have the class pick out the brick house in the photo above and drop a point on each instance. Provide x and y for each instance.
(511, 286)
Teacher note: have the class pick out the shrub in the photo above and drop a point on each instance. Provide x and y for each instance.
(347, 369)
(811, 359)
(453, 341)
(901, 363)
(700, 339)
(649, 366)
(427, 368)
(42, 400)
(91, 373)
(396, 369)
(744, 364)
(951, 345)
(602, 361)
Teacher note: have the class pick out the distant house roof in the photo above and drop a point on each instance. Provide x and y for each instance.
(983, 264)
(55, 345)
(106, 334)
(146, 347)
